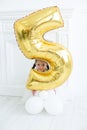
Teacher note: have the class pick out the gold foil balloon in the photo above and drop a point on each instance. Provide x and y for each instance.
(29, 33)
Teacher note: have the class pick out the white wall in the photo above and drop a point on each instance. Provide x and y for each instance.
(78, 46)
(78, 41)
(35, 4)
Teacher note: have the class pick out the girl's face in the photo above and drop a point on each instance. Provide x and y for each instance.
(41, 65)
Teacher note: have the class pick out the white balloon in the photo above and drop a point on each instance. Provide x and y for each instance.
(46, 93)
(43, 94)
(34, 105)
(53, 105)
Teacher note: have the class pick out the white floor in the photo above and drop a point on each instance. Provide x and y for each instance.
(14, 117)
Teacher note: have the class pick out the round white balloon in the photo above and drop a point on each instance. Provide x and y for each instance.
(34, 105)
(43, 94)
(46, 93)
(53, 105)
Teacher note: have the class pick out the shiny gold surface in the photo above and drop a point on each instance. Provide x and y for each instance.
(29, 33)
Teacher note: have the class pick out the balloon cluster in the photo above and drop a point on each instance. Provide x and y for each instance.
(44, 100)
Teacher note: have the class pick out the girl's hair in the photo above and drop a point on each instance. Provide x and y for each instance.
(34, 65)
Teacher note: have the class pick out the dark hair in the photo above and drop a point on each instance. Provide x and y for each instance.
(47, 67)
(33, 66)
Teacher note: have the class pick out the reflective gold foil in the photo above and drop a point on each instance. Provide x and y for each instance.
(29, 33)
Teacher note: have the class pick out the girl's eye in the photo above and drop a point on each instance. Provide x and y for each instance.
(38, 64)
(42, 64)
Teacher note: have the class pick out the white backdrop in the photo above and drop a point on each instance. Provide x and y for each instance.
(77, 45)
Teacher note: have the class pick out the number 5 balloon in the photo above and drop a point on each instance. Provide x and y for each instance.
(29, 33)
